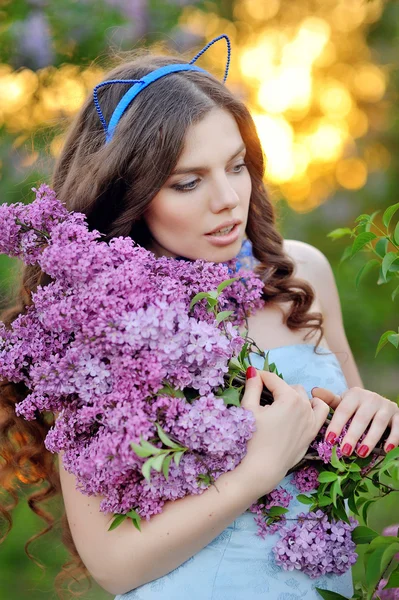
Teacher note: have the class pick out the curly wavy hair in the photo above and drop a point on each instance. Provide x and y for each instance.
(113, 184)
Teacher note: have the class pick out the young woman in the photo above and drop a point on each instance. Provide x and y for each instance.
(185, 161)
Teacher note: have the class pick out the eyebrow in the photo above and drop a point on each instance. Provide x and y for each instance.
(184, 170)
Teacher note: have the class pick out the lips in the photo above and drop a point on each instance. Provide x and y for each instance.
(224, 226)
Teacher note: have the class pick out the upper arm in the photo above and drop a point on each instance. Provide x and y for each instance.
(313, 266)
(97, 547)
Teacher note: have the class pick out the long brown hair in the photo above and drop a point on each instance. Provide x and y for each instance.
(113, 184)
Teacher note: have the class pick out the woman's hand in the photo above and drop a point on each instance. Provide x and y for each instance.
(365, 408)
(284, 429)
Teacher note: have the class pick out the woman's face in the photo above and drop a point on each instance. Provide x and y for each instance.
(215, 188)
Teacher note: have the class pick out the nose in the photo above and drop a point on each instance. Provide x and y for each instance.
(223, 195)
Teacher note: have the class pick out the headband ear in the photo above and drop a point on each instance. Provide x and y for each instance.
(95, 97)
(140, 84)
(205, 48)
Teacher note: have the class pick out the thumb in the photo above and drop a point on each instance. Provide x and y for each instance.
(327, 396)
(253, 389)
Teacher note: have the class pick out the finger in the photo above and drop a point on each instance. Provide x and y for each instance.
(320, 411)
(361, 420)
(393, 438)
(277, 386)
(342, 414)
(253, 389)
(380, 422)
(333, 400)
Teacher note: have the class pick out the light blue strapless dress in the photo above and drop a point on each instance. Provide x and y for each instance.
(238, 564)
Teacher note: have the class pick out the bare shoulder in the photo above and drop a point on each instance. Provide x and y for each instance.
(312, 266)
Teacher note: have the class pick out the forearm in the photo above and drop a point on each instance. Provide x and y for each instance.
(183, 528)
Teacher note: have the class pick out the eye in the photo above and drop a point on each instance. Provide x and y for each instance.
(240, 167)
(187, 187)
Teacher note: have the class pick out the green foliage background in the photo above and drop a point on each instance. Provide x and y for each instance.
(367, 312)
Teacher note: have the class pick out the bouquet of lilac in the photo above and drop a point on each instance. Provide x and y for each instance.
(144, 370)
(131, 354)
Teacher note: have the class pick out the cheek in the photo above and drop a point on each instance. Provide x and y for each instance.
(173, 216)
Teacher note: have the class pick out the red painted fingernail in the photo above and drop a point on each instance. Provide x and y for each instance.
(363, 450)
(331, 437)
(251, 372)
(347, 450)
(389, 447)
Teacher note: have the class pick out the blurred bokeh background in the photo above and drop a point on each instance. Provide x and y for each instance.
(321, 80)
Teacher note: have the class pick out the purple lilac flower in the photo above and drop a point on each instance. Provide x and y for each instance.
(101, 339)
(316, 546)
(278, 497)
(306, 479)
(388, 594)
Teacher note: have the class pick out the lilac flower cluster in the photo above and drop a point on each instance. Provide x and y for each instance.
(388, 594)
(265, 521)
(316, 545)
(324, 448)
(306, 479)
(102, 340)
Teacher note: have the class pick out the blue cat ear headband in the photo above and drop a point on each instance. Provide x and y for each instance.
(140, 84)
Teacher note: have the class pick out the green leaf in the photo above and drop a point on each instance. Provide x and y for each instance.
(336, 490)
(117, 521)
(165, 439)
(373, 569)
(395, 293)
(197, 298)
(384, 340)
(336, 463)
(234, 364)
(150, 447)
(371, 219)
(146, 468)
(365, 509)
(276, 511)
(136, 519)
(346, 254)
(396, 234)
(381, 247)
(326, 476)
(212, 295)
(363, 534)
(143, 452)
(178, 456)
(231, 395)
(365, 218)
(339, 233)
(393, 581)
(389, 459)
(304, 499)
(389, 553)
(361, 241)
(365, 269)
(324, 500)
(225, 283)
(394, 339)
(327, 595)
(165, 466)
(157, 462)
(354, 468)
(352, 505)
(389, 213)
(387, 262)
(340, 510)
(223, 315)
